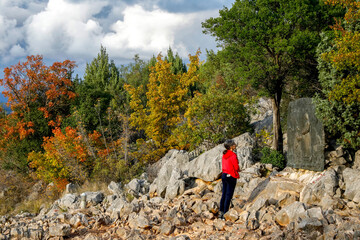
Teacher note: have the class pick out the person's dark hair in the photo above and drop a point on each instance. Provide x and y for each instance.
(227, 144)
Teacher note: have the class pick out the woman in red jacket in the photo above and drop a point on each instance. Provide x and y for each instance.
(230, 172)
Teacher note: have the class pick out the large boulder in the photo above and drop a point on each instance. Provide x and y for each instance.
(352, 182)
(277, 188)
(138, 187)
(291, 213)
(176, 185)
(321, 189)
(174, 159)
(68, 201)
(208, 165)
(71, 188)
(94, 198)
(116, 206)
(245, 145)
(115, 188)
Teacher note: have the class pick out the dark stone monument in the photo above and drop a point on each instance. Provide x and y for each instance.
(306, 137)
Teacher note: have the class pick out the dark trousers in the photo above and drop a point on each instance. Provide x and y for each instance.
(229, 184)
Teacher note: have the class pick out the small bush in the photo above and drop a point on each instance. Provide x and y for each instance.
(273, 157)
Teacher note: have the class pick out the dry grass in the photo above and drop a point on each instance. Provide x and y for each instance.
(94, 187)
(14, 188)
(33, 206)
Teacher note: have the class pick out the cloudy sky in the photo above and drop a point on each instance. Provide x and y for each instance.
(75, 29)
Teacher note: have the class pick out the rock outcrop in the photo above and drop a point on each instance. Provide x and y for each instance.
(282, 205)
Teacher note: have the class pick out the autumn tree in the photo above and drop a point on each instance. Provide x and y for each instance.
(39, 97)
(167, 95)
(66, 158)
(272, 43)
(339, 57)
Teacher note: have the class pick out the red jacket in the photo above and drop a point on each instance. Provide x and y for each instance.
(230, 164)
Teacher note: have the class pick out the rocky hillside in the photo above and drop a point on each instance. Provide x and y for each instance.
(179, 199)
(182, 203)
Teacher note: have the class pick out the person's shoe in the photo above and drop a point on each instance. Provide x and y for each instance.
(221, 215)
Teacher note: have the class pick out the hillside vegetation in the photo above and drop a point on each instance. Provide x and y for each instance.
(110, 124)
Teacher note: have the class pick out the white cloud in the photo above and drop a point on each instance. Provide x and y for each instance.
(64, 29)
(75, 29)
(20, 10)
(17, 51)
(8, 34)
(145, 31)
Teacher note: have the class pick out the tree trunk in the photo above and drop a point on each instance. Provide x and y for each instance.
(278, 137)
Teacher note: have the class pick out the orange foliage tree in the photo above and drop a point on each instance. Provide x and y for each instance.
(68, 156)
(32, 83)
(39, 97)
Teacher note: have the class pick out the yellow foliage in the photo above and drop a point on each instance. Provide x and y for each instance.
(167, 95)
(346, 55)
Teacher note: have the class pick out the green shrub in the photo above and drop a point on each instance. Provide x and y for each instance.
(272, 156)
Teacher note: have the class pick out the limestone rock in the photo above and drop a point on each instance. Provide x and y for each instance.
(116, 206)
(315, 212)
(140, 222)
(166, 228)
(91, 236)
(16, 233)
(252, 224)
(208, 165)
(134, 185)
(35, 191)
(277, 188)
(174, 159)
(245, 145)
(156, 200)
(71, 188)
(310, 224)
(115, 188)
(78, 220)
(181, 237)
(94, 198)
(291, 213)
(69, 201)
(352, 183)
(36, 234)
(199, 207)
(176, 186)
(59, 230)
(321, 189)
(213, 206)
(231, 215)
(262, 118)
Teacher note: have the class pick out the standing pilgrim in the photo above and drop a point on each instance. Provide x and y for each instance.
(230, 172)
